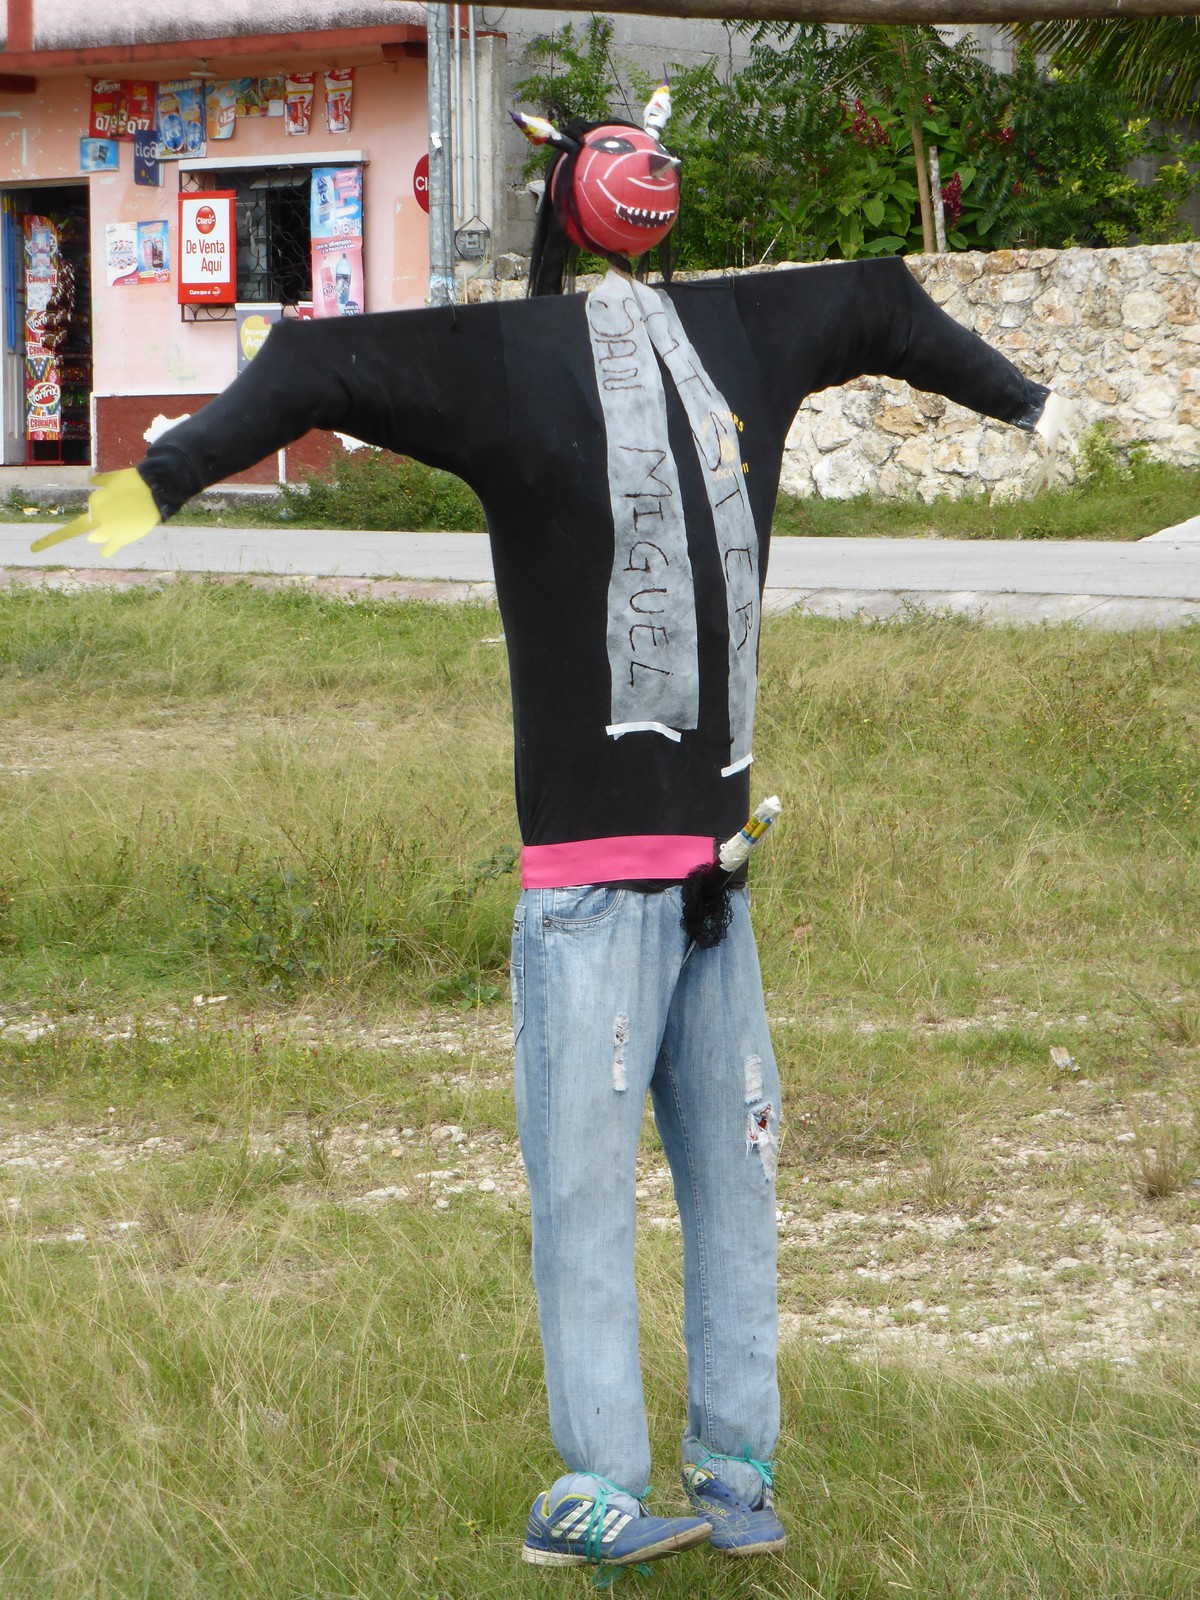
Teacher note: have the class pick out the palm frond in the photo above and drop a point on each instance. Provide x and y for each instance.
(1155, 60)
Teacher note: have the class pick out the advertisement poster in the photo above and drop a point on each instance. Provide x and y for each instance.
(43, 407)
(154, 261)
(122, 108)
(99, 155)
(207, 248)
(120, 254)
(141, 109)
(182, 129)
(339, 93)
(222, 108)
(337, 240)
(254, 323)
(298, 97)
(108, 109)
(147, 168)
(273, 92)
(249, 97)
(43, 386)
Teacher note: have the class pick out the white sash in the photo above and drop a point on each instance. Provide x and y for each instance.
(652, 647)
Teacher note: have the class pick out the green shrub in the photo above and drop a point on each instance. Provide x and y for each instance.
(1120, 493)
(810, 149)
(1103, 462)
(377, 490)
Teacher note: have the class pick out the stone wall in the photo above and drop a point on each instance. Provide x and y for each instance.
(1118, 331)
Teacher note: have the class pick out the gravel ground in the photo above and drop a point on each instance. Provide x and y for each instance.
(1039, 1241)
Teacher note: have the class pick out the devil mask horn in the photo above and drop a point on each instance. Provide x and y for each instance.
(539, 131)
(658, 110)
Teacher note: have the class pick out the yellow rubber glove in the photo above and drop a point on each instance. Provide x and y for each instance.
(120, 510)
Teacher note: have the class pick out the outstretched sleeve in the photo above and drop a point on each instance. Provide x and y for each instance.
(815, 327)
(394, 379)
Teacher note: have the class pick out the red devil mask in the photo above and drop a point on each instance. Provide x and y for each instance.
(620, 195)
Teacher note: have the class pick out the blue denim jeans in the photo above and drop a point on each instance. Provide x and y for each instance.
(605, 1008)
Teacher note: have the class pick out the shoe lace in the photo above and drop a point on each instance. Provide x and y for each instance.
(606, 1574)
(765, 1469)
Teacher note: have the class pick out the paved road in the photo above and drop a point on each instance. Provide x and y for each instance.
(1154, 582)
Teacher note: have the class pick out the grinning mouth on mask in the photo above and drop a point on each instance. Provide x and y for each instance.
(640, 217)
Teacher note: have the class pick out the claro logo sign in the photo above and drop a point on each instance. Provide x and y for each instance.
(207, 248)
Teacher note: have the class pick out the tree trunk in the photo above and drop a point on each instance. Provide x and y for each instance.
(912, 105)
(928, 241)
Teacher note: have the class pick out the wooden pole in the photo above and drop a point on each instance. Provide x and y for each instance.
(888, 11)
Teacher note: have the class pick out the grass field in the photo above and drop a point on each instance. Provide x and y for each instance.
(266, 1322)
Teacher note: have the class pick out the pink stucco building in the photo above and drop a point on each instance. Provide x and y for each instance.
(90, 266)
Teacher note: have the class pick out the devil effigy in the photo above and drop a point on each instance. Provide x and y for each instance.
(626, 445)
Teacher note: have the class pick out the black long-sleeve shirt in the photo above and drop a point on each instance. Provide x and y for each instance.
(528, 401)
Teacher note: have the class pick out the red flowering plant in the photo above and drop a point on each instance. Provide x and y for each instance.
(952, 200)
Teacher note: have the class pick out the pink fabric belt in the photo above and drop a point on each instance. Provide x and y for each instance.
(625, 856)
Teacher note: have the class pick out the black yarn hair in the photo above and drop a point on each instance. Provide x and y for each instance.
(553, 257)
(707, 905)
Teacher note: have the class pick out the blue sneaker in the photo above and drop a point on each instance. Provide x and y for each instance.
(738, 1529)
(578, 1528)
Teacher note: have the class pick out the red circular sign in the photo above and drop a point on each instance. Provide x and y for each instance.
(206, 219)
(421, 182)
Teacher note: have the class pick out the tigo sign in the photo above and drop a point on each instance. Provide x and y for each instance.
(207, 248)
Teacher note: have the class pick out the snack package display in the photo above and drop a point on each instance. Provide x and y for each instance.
(43, 384)
(59, 310)
(43, 407)
(339, 93)
(299, 101)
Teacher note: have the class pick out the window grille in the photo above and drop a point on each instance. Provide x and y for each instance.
(274, 238)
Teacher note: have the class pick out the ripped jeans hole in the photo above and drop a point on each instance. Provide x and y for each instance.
(620, 1038)
(762, 1138)
(753, 1074)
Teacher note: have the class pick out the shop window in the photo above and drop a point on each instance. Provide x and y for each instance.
(274, 240)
